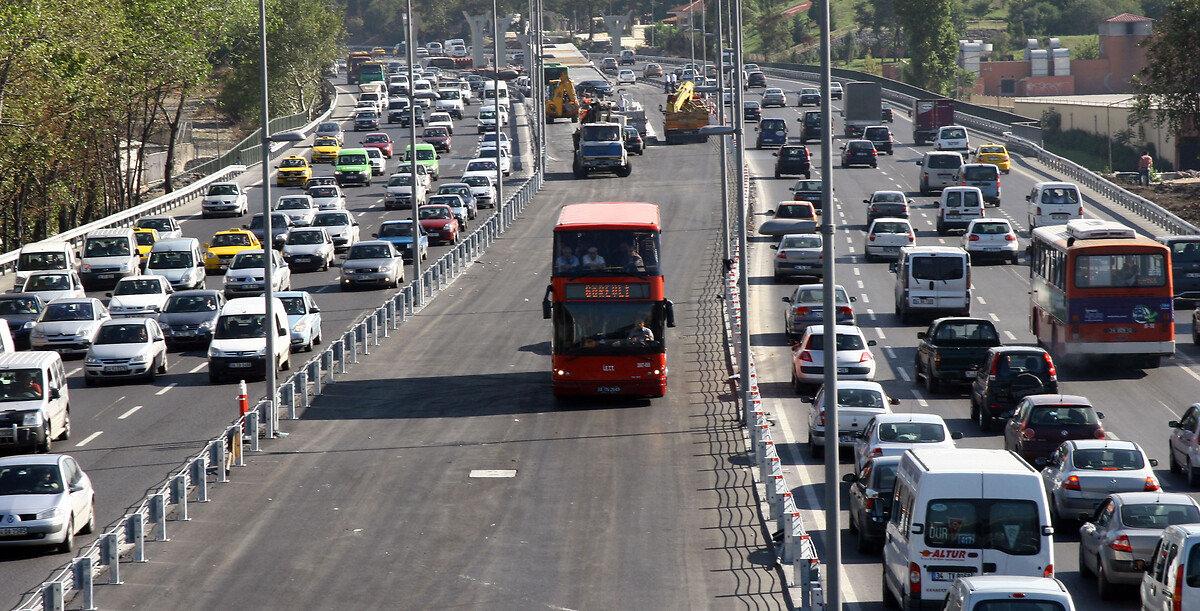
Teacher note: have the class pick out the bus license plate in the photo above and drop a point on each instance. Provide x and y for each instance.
(947, 576)
(608, 389)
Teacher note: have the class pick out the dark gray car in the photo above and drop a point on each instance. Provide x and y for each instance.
(189, 316)
(280, 225)
(18, 309)
(462, 190)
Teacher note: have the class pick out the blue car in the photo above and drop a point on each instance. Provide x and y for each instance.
(399, 233)
(772, 133)
(304, 318)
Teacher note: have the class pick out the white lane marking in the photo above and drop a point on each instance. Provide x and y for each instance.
(493, 473)
(73, 372)
(879, 332)
(129, 413)
(903, 374)
(198, 367)
(361, 213)
(1013, 338)
(857, 272)
(994, 317)
(922, 402)
(165, 389)
(89, 439)
(849, 240)
(861, 285)
(941, 240)
(882, 172)
(891, 354)
(865, 299)
(981, 301)
(851, 249)
(870, 312)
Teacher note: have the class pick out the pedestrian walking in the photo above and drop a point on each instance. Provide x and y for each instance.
(1145, 164)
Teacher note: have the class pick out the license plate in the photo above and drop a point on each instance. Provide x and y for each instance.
(239, 365)
(9, 532)
(301, 259)
(1059, 215)
(608, 389)
(843, 370)
(947, 576)
(1193, 275)
(115, 369)
(847, 438)
(803, 266)
(991, 248)
(105, 276)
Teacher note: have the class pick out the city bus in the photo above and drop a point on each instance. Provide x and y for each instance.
(1099, 289)
(607, 302)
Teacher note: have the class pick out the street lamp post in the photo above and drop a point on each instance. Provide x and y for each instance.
(410, 42)
(739, 156)
(269, 363)
(496, 97)
(724, 139)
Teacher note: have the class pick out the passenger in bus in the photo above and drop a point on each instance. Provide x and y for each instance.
(592, 259)
(632, 259)
(566, 261)
(1126, 275)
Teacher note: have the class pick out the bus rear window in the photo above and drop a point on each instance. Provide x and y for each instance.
(1009, 526)
(1120, 271)
(937, 268)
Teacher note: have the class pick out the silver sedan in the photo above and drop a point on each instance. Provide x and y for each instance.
(1116, 545)
(47, 498)
(805, 306)
(1083, 472)
(374, 263)
(126, 348)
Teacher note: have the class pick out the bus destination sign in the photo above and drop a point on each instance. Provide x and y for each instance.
(608, 291)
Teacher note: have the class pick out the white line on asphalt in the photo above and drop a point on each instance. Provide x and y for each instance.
(1013, 338)
(941, 240)
(924, 215)
(361, 213)
(870, 312)
(882, 172)
(165, 389)
(851, 249)
(198, 367)
(981, 301)
(903, 374)
(857, 272)
(879, 332)
(922, 402)
(994, 317)
(849, 240)
(88, 439)
(129, 413)
(865, 299)
(73, 372)
(891, 354)
(368, 208)
(861, 285)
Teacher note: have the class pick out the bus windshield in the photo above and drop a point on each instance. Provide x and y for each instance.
(608, 328)
(606, 252)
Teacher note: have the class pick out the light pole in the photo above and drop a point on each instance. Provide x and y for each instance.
(496, 98)
(833, 528)
(724, 139)
(704, 40)
(742, 212)
(410, 42)
(269, 363)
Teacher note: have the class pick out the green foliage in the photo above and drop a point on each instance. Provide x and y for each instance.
(1031, 18)
(979, 8)
(932, 43)
(1091, 150)
(1169, 87)
(1087, 48)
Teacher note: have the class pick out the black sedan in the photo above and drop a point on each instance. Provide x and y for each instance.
(593, 88)
(751, 111)
(859, 152)
(634, 142)
(871, 500)
(808, 96)
(807, 191)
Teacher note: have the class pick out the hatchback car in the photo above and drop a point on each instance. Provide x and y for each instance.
(1116, 544)
(280, 225)
(983, 176)
(49, 286)
(439, 137)
(810, 191)
(774, 96)
(626, 77)
(881, 137)
(457, 205)
(304, 319)
(463, 191)
(771, 132)
(792, 160)
(68, 326)
(859, 152)
(634, 144)
(1009, 374)
(440, 224)
(1042, 422)
(1082, 473)
(366, 118)
(798, 255)
(190, 316)
(891, 204)
(299, 209)
(332, 129)
(308, 249)
(373, 263)
(139, 296)
(751, 110)
(18, 311)
(246, 276)
(854, 358)
(47, 499)
(893, 434)
(995, 154)
(870, 501)
(991, 239)
(806, 307)
(126, 348)
(835, 90)
(340, 225)
(886, 236)
(227, 198)
(809, 95)
(756, 79)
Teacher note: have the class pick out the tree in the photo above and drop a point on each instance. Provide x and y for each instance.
(1169, 87)
(932, 43)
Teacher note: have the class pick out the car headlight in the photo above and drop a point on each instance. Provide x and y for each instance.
(33, 418)
(448, 226)
(261, 351)
(37, 332)
(208, 324)
(28, 325)
(210, 255)
(215, 353)
(138, 360)
(46, 514)
(301, 327)
(91, 360)
(85, 267)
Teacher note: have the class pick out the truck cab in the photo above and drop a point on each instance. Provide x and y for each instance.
(600, 147)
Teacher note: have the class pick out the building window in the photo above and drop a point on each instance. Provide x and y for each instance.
(1008, 86)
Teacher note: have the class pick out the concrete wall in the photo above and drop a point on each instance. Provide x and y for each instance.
(1101, 120)
(1046, 85)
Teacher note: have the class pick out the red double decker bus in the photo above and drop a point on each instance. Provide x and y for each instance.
(1099, 289)
(607, 302)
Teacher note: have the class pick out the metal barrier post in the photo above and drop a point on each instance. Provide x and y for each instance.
(200, 469)
(158, 515)
(110, 556)
(251, 432)
(363, 338)
(135, 532)
(52, 596)
(316, 374)
(83, 582)
(350, 343)
(216, 455)
(379, 326)
(408, 303)
(791, 523)
(235, 442)
(393, 323)
(179, 494)
(287, 397)
(302, 383)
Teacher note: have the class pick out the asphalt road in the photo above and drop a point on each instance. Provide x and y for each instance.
(1137, 403)
(371, 503)
(128, 437)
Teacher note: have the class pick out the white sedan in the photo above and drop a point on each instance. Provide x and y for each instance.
(139, 296)
(488, 151)
(626, 77)
(47, 499)
(854, 358)
(991, 239)
(328, 197)
(892, 434)
(247, 273)
(126, 348)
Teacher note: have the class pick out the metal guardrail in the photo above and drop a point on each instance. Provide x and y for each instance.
(167, 503)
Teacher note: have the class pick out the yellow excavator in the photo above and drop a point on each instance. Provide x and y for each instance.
(684, 115)
(562, 103)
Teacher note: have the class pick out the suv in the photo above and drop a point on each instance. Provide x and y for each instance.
(810, 126)
(881, 137)
(1009, 374)
(756, 79)
(793, 159)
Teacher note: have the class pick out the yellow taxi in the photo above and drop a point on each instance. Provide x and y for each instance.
(219, 252)
(994, 154)
(293, 171)
(145, 241)
(325, 149)
(378, 52)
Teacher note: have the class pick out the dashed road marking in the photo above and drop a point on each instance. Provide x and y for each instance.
(129, 413)
(903, 374)
(89, 439)
(165, 389)
(865, 299)
(870, 312)
(861, 285)
(922, 402)
(1013, 338)
(994, 317)
(857, 272)
(879, 332)
(73, 372)
(981, 301)
(198, 367)
(891, 354)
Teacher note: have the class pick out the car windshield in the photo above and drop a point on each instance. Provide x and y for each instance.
(992, 150)
(18, 306)
(966, 333)
(319, 181)
(491, 137)
(860, 397)
(376, 138)
(399, 229)
(223, 190)
(1006, 525)
(981, 172)
(751, 105)
(37, 261)
(328, 127)
(170, 259)
(600, 252)
(793, 153)
(364, 115)
(991, 228)
(293, 162)
(240, 326)
(459, 190)
(249, 260)
(772, 124)
(481, 165)
(122, 334)
(106, 247)
(956, 133)
(845, 341)
(139, 286)
(435, 213)
(231, 239)
(330, 220)
(400, 180)
(876, 133)
(306, 237)
(436, 132)
(794, 211)
(369, 251)
(357, 159)
(610, 328)
(1185, 251)
(447, 200)
(1120, 270)
(144, 238)
(294, 306)
(1010, 365)
(422, 155)
(801, 241)
(944, 162)
(323, 192)
(477, 181)
(294, 203)
(325, 142)
(30, 479)
(1107, 459)
(938, 268)
(912, 432)
(278, 222)
(807, 185)
(890, 227)
(48, 282)
(817, 295)
(449, 94)
(181, 304)
(1158, 516)
(59, 312)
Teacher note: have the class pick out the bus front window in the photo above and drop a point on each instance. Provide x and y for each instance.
(599, 253)
(608, 328)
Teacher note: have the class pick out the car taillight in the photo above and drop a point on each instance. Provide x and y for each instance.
(974, 237)
(1177, 597)
(1038, 211)
(800, 310)
(1008, 237)
(1050, 365)
(869, 503)
(962, 183)
(1100, 434)
(877, 452)
(914, 579)
(912, 238)
(1028, 433)
(1121, 544)
(1048, 572)
(782, 256)
(1071, 483)
(871, 238)
(866, 356)
(845, 311)
(1151, 484)
(924, 175)
(821, 418)
(874, 153)
(806, 356)
(995, 367)
(1081, 211)
(997, 185)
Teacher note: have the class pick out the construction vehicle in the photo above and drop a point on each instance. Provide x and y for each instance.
(562, 103)
(354, 61)
(685, 115)
(599, 141)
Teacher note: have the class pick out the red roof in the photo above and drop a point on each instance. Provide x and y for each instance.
(1127, 18)
(799, 8)
(606, 215)
(690, 7)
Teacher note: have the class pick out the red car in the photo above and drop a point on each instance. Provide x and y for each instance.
(439, 223)
(381, 141)
(438, 136)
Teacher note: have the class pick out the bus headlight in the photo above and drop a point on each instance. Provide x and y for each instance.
(561, 372)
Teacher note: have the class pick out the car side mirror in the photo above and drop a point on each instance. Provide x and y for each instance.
(893, 267)
(849, 478)
(871, 342)
(853, 299)
(76, 487)
(921, 335)
(771, 211)
(866, 201)
(774, 247)
(374, 235)
(774, 154)
(1153, 462)
(956, 435)
(1100, 415)
(108, 294)
(55, 393)
(245, 226)
(808, 399)
(893, 401)
(1173, 424)
(787, 299)
(1028, 199)
(314, 310)
(918, 162)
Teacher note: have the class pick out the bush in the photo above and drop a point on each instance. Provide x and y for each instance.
(1091, 150)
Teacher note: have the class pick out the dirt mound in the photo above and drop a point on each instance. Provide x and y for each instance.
(1181, 197)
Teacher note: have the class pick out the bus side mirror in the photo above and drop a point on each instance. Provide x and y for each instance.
(893, 267)
(670, 306)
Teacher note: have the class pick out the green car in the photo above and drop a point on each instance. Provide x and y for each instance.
(352, 167)
(426, 156)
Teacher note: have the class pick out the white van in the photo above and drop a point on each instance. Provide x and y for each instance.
(957, 207)
(39, 409)
(108, 256)
(1053, 203)
(490, 88)
(44, 256)
(959, 513)
(932, 280)
(1170, 579)
(952, 138)
(179, 261)
(238, 348)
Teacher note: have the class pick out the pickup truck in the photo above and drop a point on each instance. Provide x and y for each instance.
(952, 350)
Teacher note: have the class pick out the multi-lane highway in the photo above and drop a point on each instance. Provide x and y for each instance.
(128, 437)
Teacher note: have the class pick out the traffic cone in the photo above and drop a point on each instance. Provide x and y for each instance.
(243, 398)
